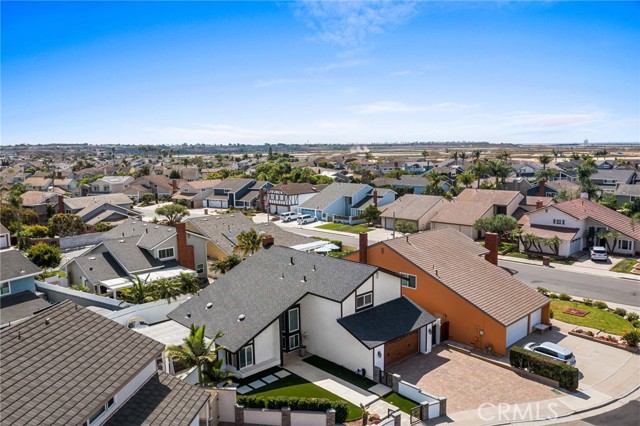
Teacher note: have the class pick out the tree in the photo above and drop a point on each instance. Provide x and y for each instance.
(605, 235)
(583, 173)
(65, 225)
(104, 227)
(139, 292)
(166, 288)
(196, 351)
(173, 212)
(370, 214)
(148, 199)
(466, 179)
(575, 155)
(455, 156)
(546, 174)
(405, 227)
(479, 168)
(556, 153)
(188, 283)
(609, 199)
(544, 160)
(44, 255)
(35, 231)
(225, 265)
(503, 156)
(175, 174)
(463, 157)
(500, 170)
(425, 154)
(214, 374)
(476, 153)
(248, 242)
(500, 224)
(368, 155)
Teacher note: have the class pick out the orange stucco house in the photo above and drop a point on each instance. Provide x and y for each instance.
(446, 273)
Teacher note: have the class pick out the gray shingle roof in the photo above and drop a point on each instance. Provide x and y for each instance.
(368, 200)
(20, 305)
(59, 373)
(383, 323)
(15, 265)
(621, 175)
(99, 266)
(83, 202)
(626, 189)
(150, 235)
(299, 188)
(3, 230)
(234, 184)
(412, 207)
(256, 289)
(130, 256)
(163, 400)
(331, 193)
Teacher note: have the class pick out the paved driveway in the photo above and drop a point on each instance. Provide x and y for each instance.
(468, 382)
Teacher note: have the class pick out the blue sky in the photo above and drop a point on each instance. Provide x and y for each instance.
(352, 72)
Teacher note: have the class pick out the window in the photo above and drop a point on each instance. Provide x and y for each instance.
(246, 356)
(96, 188)
(200, 268)
(294, 341)
(364, 301)
(106, 188)
(558, 221)
(166, 253)
(294, 320)
(5, 288)
(408, 280)
(98, 413)
(624, 245)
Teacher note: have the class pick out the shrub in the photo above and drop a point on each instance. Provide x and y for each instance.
(632, 316)
(543, 291)
(300, 404)
(553, 296)
(636, 324)
(600, 305)
(566, 375)
(551, 313)
(590, 333)
(588, 302)
(620, 311)
(103, 227)
(565, 297)
(632, 338)
(82, 288)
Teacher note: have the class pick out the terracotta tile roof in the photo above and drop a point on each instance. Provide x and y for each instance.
(34, 198)
(462, 212)
(493, 196)
(546, 231)
(299, 188)
(581, 209)
(457, 262)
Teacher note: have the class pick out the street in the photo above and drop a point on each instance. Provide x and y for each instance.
(614, 290)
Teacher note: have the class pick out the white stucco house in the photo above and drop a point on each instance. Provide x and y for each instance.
(280, 299)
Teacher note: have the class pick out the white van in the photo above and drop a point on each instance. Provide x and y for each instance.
(288, 216)
(303, 219)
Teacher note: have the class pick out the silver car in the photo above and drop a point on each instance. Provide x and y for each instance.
(552, 350)
(599, 253)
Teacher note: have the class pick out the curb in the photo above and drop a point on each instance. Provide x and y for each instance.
(578, 270)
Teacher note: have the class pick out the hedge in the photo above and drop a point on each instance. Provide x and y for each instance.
(566, 375)
(300, 404)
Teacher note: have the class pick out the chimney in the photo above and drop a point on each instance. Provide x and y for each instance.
(539, 204)
(395, 164)
(261, 200)
(284, 181)
(267, 241)
(364, 244)
(59, 175)
(186, 256)
(491, 241)
(60, 204)
(174, 185)
(375, 197)
(541, 183)
(584, 195)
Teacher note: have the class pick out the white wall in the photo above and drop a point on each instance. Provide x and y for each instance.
(258, 417)
(328, 339)
(517, 330)
(546, 216)
(378, 361)
(414, 393)
(152, 312)
(266, 345)
(306, 418)
(385, 288)
(536, 318)
(171, 242)
(226, 405)
(200, 251)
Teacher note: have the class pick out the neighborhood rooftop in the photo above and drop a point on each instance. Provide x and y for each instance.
(581, 208)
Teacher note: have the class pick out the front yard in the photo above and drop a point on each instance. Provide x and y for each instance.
(624, 266)
(341, 227)
(559, 260)
(404, 404)
(340, 372)
(599, 319)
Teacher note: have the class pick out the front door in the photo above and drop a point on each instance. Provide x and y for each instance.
(444, 331)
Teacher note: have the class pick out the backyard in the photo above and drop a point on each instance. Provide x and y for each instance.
(341, 227)
(599, 319)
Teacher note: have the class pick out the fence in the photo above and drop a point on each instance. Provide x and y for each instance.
(429, 406)
(351, 220)
(283, 417)
(56, 293)
(82, 240)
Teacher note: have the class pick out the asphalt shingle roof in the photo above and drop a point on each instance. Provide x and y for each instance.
(99, 266)
(149, 235)
(82, 202)
(20, 305)
(130, 256)
(412, 207)
(330, 194)
(626, 189)
(55, 371)
(621, 175)
(164, 400)
(234, 184)
(383, 323)
(263, 286)
(14, 264)
(298, 188)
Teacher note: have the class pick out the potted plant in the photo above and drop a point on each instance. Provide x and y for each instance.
(302, 350)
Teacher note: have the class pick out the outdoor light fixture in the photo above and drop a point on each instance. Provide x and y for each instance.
(379, 354)
(429, 331)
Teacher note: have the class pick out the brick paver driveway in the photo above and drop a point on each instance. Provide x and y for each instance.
(468, 382)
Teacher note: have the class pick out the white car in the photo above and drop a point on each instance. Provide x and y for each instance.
(599, 253)
(288, 216)
(303, 219)
(552, 350)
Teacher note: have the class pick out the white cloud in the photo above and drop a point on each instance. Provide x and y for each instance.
(558, 120)
(350, 24)
(337, 65)
(222, 133)
(401, 107)
(338, 124)
(406, 73)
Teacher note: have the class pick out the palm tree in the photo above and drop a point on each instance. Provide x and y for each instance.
(139, 292)
(225, 265)
(466, 179)
(556, 153)
(463, 156)
(214, 373)
(544, 160)
(248, 243)
(583, 173)
(165, 288)
(455, 156)
(575, 155)
(433, 188)
(504, 156)
(196, 351)
(476, 153)
(546, 174)
(500, 170)
(188, 283)
(479, 169)
(425, 154)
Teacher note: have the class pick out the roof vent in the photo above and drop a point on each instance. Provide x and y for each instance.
(209, 305)
(146, 231)
(121, 241)
(205, 219)
(291, 261)
(156, 227)
(282, 277)
(241, 317)
(47, 321)
(314, 268)
(123, 234)
(188, 315)
(22, 271)
(304, 279)
(90, 268)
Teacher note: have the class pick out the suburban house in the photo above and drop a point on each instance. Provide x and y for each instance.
(527, 169)
(341, 202)
(106, 212)
(514, 183)
(531, 203)
(581, 224)
(5, 237)
(160, 186)
(606, 164)
(446, 273)
(40, 202)
(221, 232)
(626, 193)
(111, 380)
(385, 167)
(77, 204)
(193, 194)
(285, 197)
(110, 184)
(608, 180)
(417, 210)
(142, 249)
(239, 193)
(417, 167)
(68, 185)
(279, 299)
(38, 183)
(411, 184)
(472, 204)
(553, 187)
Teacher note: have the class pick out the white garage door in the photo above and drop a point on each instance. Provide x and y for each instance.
(517, 331)
(466, 230)
(536, 318)
(575, 245)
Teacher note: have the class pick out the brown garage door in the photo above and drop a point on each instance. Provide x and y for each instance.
(400, 348)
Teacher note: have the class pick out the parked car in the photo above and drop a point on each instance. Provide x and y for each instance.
(288, 216)
(599, 253)
(303, 219)
(552, 350)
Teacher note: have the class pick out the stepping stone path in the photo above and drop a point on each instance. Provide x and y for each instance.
(262, 382)
(244, 389)
(270, 378)
(282, 374)
(257, 384)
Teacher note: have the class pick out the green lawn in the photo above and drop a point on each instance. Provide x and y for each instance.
(354, 229)
(404, 404)
(599, 319)
(562, 261)
(625, 266)
(296, 386)
(340, 372)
